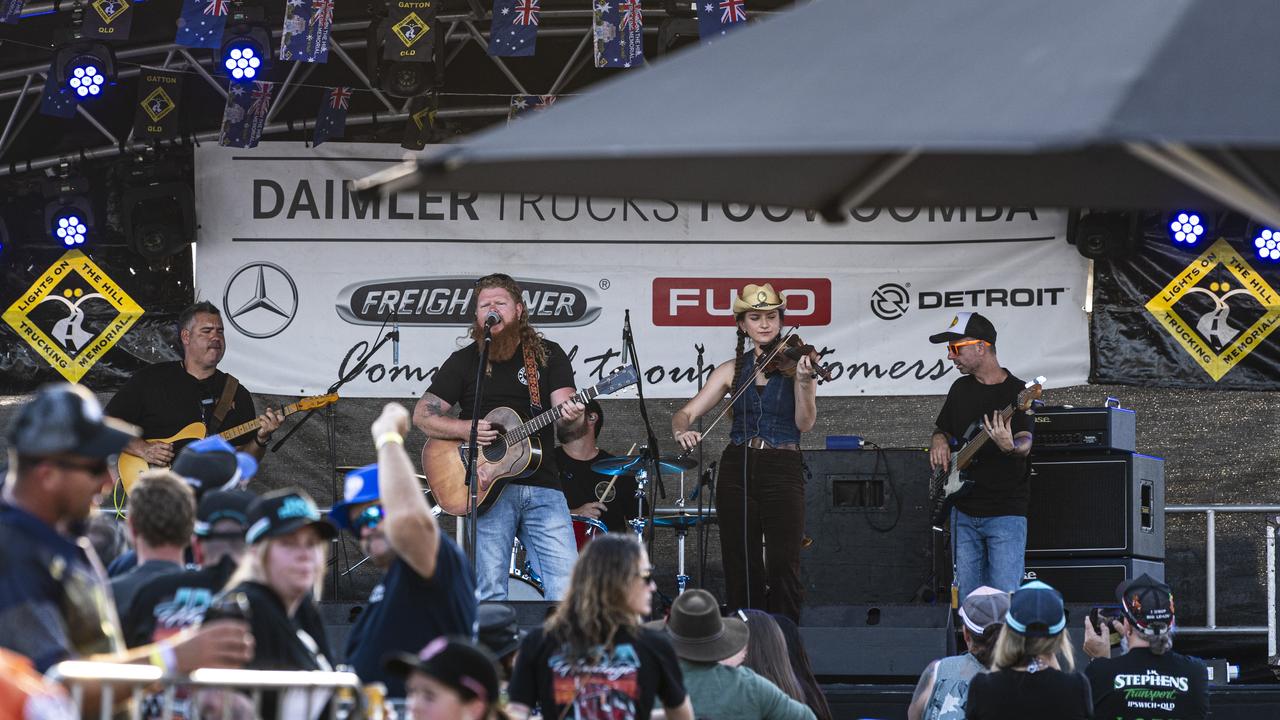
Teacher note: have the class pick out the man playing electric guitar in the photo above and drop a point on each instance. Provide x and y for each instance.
(989, 522)
(523, 367)
(164, 398)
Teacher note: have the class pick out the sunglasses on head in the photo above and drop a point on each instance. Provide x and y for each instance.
(954, 347)
(370, 517)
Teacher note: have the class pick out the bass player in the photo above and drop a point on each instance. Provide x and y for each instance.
(524, 370)
(989, 522)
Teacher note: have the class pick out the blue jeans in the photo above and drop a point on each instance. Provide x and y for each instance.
(540, 518)
(989, 551)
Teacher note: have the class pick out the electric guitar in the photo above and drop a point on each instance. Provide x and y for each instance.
(516, 453)
(130, 466)
(946, 486)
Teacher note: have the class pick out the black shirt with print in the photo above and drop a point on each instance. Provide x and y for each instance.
(1141, 684)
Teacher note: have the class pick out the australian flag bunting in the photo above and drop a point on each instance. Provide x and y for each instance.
(331, 122)
(56, 100)
(108, 19)
(521, 104)
(514, 30)
(306, 30)
(201, 23)
(246, 114)
(617, 28)
(716, 17)
(11, 11)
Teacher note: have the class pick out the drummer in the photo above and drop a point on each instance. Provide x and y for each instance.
(574, 457)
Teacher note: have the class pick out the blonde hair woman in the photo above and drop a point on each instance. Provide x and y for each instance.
(592, 656)
(1033, 668)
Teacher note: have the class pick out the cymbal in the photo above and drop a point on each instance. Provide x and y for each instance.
(348, 468)
(632, 464)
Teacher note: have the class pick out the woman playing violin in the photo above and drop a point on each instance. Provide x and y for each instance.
(760, 494)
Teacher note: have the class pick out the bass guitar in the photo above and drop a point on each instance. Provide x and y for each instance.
(946, 486)
(130, 466)
(516, 453)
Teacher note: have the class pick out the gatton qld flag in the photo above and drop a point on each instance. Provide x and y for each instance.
(306, 30)
(246, 114)
(617, 28)
(514, 30)
(201, 23)
(331, 121)
(716, 17)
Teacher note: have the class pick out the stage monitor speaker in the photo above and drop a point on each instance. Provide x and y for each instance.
(1102, 505)
(874, 640)
(867, 514)
(1089, 580)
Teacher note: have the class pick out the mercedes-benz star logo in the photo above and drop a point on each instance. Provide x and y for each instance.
(260, 300)
(890, 301)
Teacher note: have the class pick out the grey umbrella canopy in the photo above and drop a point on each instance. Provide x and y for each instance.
(844, 103)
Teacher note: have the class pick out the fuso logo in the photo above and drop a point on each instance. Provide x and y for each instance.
(687, 301)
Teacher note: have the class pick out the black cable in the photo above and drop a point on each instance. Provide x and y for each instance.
(890, 487)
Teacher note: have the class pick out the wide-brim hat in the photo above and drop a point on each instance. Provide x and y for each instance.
(698, 633)
(760, 298)
(967, 324)
(67, 419)
(359, 487)
(283, 511)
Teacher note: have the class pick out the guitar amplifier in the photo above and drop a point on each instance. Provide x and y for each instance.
(1099, 505)
(1060, 428)
(1090, 580)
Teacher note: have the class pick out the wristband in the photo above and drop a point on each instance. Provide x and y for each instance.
(389, 437)
(164, 658)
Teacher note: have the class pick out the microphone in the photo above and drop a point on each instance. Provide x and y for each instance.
(704, 479)
(626, 325)
(493, 318)
(395, 338)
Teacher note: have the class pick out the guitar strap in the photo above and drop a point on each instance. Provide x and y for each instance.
(531, 379)
(224, 404)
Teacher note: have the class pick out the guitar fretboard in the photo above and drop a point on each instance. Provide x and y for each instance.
(533, 426)
(235, 432)
(973, 446)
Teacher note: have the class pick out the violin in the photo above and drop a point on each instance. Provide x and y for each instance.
(792, 351)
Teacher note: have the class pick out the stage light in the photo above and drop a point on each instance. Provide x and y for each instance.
(1186, 227)
(85, 68)
(68, 217)
(246, 45)
(400, 79)
(159, 218)
(1106, 235)
(1267, 244)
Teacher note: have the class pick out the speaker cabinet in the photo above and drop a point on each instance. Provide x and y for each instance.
(866, 512)
(1103, 505)
(1089, 580)
(874, 640)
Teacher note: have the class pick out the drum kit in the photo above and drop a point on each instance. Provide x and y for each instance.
(525, 584)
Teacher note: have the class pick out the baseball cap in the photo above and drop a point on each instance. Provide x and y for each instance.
(468, 669)
(67, 419)
(983, 608)
(219, 505)
(967, 324)
(280, 512)
(1147, 603)
(499, 631)
(214, 464)
(1036, 610)
(359, 487)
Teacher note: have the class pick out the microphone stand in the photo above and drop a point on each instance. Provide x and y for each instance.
(473, 478)
(651, 453)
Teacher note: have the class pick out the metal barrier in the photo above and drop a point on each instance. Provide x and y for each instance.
(1211, 626)
(146, 680)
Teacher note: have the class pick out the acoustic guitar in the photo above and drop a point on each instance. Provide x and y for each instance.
(516, 453)
(947, 486)
(130, 466)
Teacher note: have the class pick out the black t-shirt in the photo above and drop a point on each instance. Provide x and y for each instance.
(1015, 695)
(1000, 481)
(169, 603)
(406, 611)
(619, 683)
(579, 482)
(279, 642)
(455, 383)
(164, 398)
(1141, 684)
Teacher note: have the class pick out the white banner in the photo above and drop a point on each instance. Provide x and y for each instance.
(307, 274)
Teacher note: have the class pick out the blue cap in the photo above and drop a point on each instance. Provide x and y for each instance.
(360, 487)
(1036, 610)
(213, 464)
